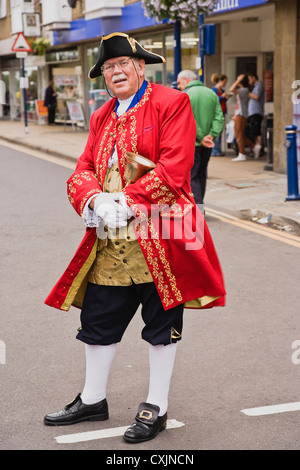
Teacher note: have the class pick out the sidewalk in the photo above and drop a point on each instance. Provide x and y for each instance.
(242, 189)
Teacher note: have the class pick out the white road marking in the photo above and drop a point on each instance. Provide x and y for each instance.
(272, 409)
(104, 433)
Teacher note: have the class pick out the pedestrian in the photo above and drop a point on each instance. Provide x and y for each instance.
(220, 81)
(241, 88)
(256, 112)
(125, 260)
(209, 122)
(50, 102)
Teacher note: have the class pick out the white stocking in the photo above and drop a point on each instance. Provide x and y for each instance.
(98, 363)
(161, 360)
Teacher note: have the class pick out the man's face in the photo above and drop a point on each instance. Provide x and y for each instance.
(124, 75)
(181, 83)
(251, 79)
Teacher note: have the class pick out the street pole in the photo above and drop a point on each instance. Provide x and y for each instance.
(24, 96)
(177, 49)
(292, 164)
(201, 47)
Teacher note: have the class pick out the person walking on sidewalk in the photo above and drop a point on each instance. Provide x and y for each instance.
(125, 259)
(50, 102)
(209, 121)
(255, 112)
(241, 88)
(219, 88)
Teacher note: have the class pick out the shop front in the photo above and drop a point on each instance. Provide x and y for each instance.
(246, 45)
(65, 69)
(10, 77)
(161, 43)
(244, 42)
(10, 74)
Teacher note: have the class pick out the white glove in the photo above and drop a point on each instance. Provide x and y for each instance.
(114, 217)
(112, 213)
(105, 198)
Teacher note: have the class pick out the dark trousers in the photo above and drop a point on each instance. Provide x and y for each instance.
(108, 310)
(199, 173)
(51, 113)
(253, 128)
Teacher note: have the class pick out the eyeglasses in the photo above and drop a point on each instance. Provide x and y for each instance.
(122, 64)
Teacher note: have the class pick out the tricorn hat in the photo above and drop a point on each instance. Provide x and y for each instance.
(118, 45)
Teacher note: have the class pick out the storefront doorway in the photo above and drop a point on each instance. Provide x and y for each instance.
(11, 108)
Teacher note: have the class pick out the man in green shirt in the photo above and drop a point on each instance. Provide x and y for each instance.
(209, 120)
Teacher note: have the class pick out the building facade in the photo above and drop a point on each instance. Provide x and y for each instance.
(251, 35)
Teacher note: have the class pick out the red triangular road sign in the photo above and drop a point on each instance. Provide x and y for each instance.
(21, 44)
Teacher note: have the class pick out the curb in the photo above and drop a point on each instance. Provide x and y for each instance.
(40, 149)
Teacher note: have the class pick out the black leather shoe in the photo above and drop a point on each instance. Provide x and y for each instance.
(78, 411)
(148, 424)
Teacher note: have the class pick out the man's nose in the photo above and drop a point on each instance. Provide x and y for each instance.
(119, 69)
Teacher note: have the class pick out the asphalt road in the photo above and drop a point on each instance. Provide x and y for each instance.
(231, 359)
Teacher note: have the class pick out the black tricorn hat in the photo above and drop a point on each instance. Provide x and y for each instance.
(119, 45)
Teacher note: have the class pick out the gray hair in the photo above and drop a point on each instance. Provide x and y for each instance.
(188, 74)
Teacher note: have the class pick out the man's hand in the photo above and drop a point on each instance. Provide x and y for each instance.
(113, 215)
(111, 212)
(103, 198)
(208, 141)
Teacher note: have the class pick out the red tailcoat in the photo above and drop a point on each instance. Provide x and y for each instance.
(175, 239)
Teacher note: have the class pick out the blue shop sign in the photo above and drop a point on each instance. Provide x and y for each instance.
(132, 17)
(229, 5)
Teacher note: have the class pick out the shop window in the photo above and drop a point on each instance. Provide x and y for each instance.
(31, 92)
(6, 94)
(3, 9)
(16, 96)
(153, 72)
(189, 52)
(68, 85)
(96, 93)
(268, 63)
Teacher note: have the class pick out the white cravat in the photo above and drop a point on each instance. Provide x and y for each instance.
(122, 108)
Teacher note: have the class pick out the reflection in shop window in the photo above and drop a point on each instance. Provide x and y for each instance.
(268, 66)
(153, 72)
(68, 88)
(3, 8)
(16, 108)
(31, 92)
(189, 52)
(96, 92)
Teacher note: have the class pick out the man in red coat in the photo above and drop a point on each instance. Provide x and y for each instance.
(146, 241)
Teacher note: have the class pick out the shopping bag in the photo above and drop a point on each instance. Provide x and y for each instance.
(230, 132)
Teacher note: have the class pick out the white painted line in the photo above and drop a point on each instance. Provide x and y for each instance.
(104, 433)
(272, 409)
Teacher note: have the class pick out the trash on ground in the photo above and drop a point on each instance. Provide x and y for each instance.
(267, 220)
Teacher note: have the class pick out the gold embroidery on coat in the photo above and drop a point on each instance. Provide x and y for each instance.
(122, 145)
(133, 134)
(88, 195)
(77, 181)
(104, 152)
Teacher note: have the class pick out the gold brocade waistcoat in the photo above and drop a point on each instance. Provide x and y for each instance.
(119, 259)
